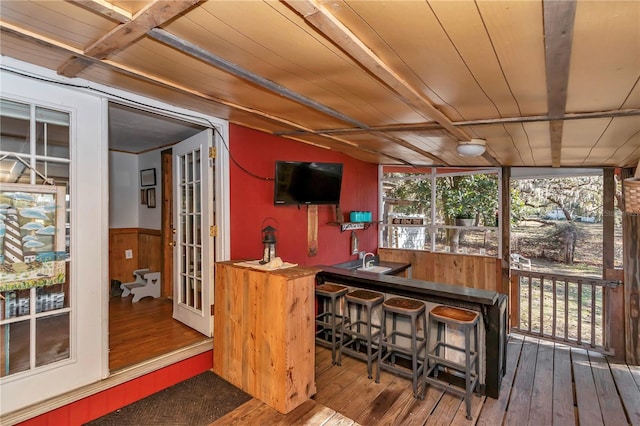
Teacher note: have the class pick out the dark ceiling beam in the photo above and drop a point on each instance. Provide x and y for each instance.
(153, 14)
(195, 51)
(327, 24)
(102, 48)
(559, 17)
(30, 36)
(115, 67)
(421, 127)
(435, 127)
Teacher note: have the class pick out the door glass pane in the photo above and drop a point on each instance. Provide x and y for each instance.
(189, 165)
(198, 229)
(197, 208)
(52, 133)
(14, 356)
(190, 217)
(51, 298)
(196, 166)
(52, 338)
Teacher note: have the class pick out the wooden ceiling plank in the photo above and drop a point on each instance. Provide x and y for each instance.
(327, 24)
(104, 8)
(190, 49)
(559, 17)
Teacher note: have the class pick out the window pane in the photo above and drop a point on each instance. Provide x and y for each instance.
(14, 304)
(52, 133)
(466, 208)
(14, 356)
(14, 137)
(52, 339)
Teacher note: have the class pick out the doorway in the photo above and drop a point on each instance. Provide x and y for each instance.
(142, 235)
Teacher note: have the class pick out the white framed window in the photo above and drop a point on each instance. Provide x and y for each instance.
(441, 209)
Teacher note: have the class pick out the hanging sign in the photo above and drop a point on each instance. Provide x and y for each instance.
(32, 236)
(407, 221)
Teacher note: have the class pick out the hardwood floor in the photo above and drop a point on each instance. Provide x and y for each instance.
(144, 330)
(545, 384)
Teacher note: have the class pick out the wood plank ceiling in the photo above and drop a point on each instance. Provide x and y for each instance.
(546, 83)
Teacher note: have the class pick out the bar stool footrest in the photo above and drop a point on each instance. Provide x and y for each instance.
(452, 364)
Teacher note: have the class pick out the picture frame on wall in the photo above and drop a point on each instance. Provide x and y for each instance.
(148, 177)
(151, 198)
(143, 196)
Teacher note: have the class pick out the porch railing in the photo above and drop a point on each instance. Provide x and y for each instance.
(571, 309)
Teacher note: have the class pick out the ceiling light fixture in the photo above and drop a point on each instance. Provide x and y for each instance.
(472, 148)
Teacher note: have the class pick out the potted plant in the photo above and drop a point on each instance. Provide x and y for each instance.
(464, 216)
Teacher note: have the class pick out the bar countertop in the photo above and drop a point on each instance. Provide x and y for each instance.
(405, 286)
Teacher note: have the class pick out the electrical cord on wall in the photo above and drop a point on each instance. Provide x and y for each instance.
(104, 92)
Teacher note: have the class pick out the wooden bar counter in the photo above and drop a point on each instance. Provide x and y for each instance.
(263, 339)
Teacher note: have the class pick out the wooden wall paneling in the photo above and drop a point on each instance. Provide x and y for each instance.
(469, 271)
(122, 239)
(150, 251)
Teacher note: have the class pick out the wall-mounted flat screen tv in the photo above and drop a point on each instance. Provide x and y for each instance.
(299, 182)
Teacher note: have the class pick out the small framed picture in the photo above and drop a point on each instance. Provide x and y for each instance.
(151, 198)
(143, 196)
(148, 177)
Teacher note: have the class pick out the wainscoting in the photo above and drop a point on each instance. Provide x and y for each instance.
(480, 272)
(146, 249)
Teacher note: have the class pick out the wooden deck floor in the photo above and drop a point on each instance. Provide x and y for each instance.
(545, 384)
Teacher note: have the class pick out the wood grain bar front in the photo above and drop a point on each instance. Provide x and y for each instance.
(264, 341)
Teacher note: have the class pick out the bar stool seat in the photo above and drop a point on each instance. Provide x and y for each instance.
(362, 331)
(467, 322)
(413, 310)
(329, 321)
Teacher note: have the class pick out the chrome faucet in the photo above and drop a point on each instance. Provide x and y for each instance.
(366, 264)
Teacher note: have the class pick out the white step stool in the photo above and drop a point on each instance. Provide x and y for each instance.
(146, 284)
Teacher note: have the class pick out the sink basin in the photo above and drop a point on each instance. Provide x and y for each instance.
(375, 269)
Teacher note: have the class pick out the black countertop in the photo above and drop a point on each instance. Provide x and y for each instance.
(404, 286)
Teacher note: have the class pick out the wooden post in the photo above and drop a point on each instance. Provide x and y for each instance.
(631, 261)
(615, 304)
(504, 284)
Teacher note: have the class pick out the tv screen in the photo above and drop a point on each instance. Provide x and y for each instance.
(299, 182)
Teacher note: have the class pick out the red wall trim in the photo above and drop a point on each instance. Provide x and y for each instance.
(99, 404)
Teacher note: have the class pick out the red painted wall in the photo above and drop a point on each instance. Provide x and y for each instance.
(252, 200)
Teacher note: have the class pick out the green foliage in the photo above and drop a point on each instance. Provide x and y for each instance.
(410, 197)
(576, 195)
(468, 197)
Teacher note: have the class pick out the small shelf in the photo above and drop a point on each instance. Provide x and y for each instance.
(351, 226)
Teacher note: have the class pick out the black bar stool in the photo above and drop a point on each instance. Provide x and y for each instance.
(328, 322)
(362, 331)
(467, 321)
(414, 310)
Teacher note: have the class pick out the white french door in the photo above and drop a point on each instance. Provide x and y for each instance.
(193, 195)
